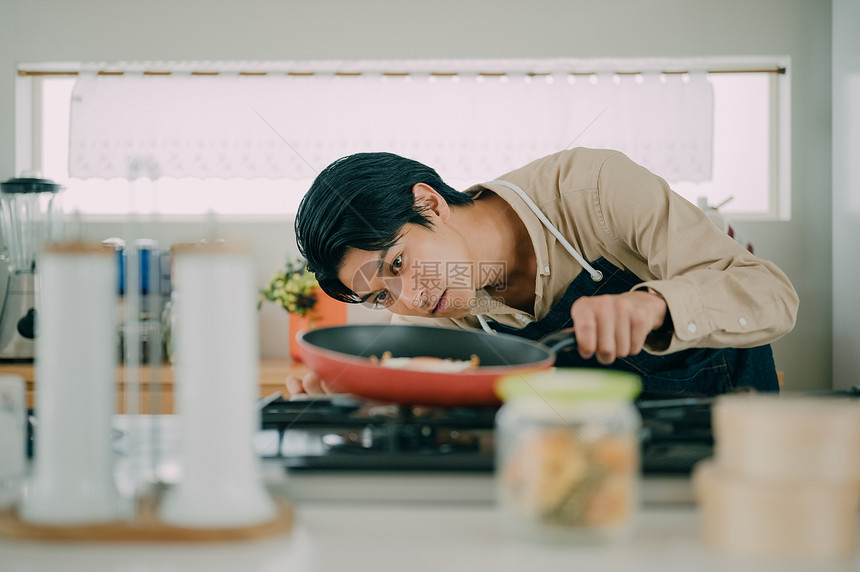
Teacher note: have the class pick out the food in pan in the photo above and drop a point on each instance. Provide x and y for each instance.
(426, 363)
(555, 478)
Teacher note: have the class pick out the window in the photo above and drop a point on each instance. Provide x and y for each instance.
(748, 156)
(750, 148)
(170, 196)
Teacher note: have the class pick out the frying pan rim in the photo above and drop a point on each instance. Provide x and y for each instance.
(478, 371)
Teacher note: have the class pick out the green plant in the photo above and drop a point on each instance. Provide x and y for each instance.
(291, 288)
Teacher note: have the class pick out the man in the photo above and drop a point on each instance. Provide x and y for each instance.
(583, 239)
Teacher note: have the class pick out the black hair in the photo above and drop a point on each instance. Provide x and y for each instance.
(361, 201)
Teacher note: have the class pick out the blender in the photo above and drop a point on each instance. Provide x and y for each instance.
(29, 219)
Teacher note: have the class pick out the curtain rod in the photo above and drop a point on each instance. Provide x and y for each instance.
(34, 73)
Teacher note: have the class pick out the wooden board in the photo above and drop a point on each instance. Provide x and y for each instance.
(146, 528)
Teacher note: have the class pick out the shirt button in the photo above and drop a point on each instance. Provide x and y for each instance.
(518, 316)
(691, 327)
(546, 269)
(742, 321)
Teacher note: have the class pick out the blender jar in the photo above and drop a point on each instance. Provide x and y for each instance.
(29, 217)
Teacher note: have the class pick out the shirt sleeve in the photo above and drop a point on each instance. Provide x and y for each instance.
(718, 293)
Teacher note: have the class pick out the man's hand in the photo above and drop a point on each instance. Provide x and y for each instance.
(309, 383)
(616, 325)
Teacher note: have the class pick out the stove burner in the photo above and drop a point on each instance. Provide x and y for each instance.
(345, 433)
(394, 438)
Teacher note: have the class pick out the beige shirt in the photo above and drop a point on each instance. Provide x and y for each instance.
(604, 204)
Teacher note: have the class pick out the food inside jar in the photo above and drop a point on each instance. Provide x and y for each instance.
(426, 363)
(556, 478)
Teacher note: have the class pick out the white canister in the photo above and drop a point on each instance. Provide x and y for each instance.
(216, 365)
(13, 437)
(72, 481)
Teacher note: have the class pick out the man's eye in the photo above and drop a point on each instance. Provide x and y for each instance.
(397, 263)
(379, 301)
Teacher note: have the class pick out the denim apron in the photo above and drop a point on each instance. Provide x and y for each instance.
(691, 372)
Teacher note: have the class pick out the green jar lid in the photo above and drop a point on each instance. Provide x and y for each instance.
(570, 385)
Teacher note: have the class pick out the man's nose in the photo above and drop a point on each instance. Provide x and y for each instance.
(413, 295)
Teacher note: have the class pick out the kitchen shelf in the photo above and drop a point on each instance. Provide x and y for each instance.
(272, 375)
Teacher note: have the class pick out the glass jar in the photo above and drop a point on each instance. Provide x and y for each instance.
(568, 454)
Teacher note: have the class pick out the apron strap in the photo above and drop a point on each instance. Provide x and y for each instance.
(595, 274)
(485, 325)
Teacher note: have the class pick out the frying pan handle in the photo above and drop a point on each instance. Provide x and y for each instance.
(562, 340)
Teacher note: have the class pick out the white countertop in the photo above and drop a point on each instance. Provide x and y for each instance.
(425, 522)
(354, 537)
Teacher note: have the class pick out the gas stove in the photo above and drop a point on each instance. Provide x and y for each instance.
(347, 434)
(343, 433)
(341, 448)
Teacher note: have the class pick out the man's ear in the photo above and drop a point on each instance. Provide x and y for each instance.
(428, 199)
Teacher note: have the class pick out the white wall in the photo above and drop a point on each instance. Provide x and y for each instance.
(58, 30)
(846, 192)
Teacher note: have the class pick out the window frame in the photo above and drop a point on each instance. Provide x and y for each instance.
(29, 135)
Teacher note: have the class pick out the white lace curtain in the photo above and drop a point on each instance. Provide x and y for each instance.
(466, 126)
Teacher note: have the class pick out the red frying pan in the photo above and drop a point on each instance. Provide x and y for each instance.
(341, 356)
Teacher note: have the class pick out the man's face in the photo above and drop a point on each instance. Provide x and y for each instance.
(429, 272)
